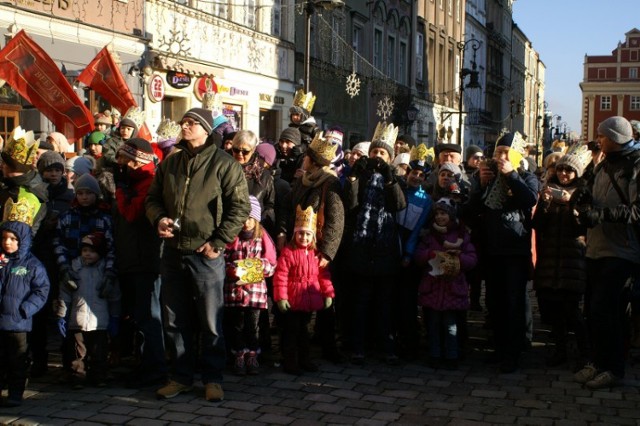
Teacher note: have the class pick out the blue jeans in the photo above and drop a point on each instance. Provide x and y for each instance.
(605, 306)
(147, 313)
(193, 304)
(439, 322)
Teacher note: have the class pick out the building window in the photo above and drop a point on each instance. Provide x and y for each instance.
(450, 7)
(458, 11)
(441, 4)
(605, 103)
(356, 43)
(391, 57)
(602, 73)
(402, 63)
(635, 103)
(336, 44)
(221, 9)
(276, 18)
(633, 55)
(633, 73)
(419, 56)
(377, 49)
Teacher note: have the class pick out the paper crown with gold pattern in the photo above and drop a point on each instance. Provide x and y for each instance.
(322, 150)
(212, 102)
(421, 157)
(385, 133)
(136, 115)
(304, 101)
(516, 144)
(249, 271)
(21, 150)
(23, 210)
(306, 220)
(168, 129)
(578, 156)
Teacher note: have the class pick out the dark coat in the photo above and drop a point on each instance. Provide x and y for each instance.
(261, 186)
(24, 285)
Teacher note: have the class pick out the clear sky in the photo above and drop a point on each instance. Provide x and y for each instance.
(562, 32)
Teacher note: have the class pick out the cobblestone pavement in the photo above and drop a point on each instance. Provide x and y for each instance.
(373, 394)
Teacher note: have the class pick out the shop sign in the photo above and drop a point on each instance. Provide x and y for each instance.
(178, 80)
(203, 85)
(264, 97)
(156, 88)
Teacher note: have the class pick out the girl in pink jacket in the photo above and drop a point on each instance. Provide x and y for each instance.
(446, 253)
(300, 287)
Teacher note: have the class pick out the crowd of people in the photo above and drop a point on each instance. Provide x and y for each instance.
(186, 252)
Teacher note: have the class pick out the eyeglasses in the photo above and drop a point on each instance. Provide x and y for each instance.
(244, 152)
(563, 168)
(478, 156)
(189, 123)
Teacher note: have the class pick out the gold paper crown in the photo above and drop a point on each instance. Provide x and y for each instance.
(581, 152)
(136, 115)
(304, 101)
(422, 154)
(212, 101)
(305, 219)
(23, 210)
(323, 148)
(168, 129)
(22, 147)
(385, 133)
(249, 271)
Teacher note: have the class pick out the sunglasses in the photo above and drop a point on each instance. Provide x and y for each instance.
(478, 157)
(244, 152)
(189, 123)
(567, 169)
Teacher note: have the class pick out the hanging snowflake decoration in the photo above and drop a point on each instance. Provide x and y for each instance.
(255, 55)
(177, 44)
(385, 108)
(353, 85)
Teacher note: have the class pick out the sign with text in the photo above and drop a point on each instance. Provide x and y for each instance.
(178, 80)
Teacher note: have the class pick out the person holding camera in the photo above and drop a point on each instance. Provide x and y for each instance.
(198, 201)
(372, 197)
(503, 195)
(610, 209)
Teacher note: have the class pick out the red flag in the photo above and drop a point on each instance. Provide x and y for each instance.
(104, 76)
(32, 73)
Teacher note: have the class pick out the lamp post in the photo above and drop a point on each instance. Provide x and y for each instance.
(412, 115)
(310, 9)
(473, 77)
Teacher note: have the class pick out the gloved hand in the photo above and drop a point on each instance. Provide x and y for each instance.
(62, 326)
(284, 305)
(328, 301)
(359, 167)
(108, 284)
(384, 169)
(114, 326)
(591, 217)
(581, 197)
(66, 280)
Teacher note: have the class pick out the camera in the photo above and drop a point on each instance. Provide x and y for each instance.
(176, 224)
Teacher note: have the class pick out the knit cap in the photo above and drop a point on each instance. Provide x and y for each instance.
(291, 134)
(450, 167)
(60, 142)
(96, 137)
(408, 139)
(447, 205)
(88, 182)
(362, 148)
(471, 151)
(137, 149)
(50, 159)
(96, 241)
(202, 116)
(256, 210)
(101, 118)
(80, 165)
(267, 152)
(129, 123)
(617, 129)
(403, 158)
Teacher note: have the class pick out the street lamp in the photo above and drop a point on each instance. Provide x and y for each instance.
(473, 77)
(310, 9)
(412, 115)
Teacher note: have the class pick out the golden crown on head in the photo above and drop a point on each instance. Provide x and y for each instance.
(305, 219)
(211, 101)
(422, 154)
(324, 149)
(304, 101)
(22, 146)
(581, 152)
(385, 133)
(168, 129)
(23, 210)
(136, 115)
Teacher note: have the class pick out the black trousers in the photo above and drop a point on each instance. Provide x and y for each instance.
(14, 362)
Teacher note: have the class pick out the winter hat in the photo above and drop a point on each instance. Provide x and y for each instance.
(137, 149)
(96, 137)
(45, 144)
(60, 142)
(267, 152)
(96, 241)
(441, 147)
(362, 147)
(202, 116)
(617, 129)
(291, 134)
(88, 182)
(447, 205)
(471, 151)
(129, 123)
(100, 118)
(403, 158)
(408, 139)
(50, 159)
(450, 167)
(80, 165)
(335, 135)
(256, 210)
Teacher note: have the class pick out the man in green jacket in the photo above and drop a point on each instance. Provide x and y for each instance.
(198, 202)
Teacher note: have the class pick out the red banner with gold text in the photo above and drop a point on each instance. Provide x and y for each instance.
(33, 74)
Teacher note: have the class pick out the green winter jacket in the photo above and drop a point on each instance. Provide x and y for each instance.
(206, 190)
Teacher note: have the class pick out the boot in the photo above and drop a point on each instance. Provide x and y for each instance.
(239, 365)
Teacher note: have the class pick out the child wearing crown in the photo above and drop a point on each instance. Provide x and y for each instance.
(250, 258)
(300, 287)
(445, 253)
(24, 288)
